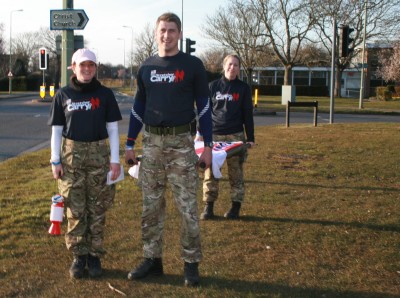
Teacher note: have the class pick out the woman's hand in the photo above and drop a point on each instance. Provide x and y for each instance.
(115, 169)
(57, 170)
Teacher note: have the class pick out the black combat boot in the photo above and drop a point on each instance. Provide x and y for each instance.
(233, 213)
(151, 266)
(94, 266)
(78, 266)
(191, 273)
(208, 212)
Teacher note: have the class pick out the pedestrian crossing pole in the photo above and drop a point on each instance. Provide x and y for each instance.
(255, 98)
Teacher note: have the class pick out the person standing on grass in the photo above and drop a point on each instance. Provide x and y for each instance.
(82, 116)
(169, 85)
(232, 117)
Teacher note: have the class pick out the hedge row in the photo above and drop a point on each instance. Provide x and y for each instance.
(31, 82)
(276, 90)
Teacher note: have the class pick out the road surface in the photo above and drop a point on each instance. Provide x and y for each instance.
(23, 121)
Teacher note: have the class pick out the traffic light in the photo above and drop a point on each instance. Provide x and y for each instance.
(189, 44)
(345, 41)
(42, 58)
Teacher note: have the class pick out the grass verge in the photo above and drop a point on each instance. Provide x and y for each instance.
(321, 219)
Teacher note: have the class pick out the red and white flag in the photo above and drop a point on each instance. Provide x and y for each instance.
(221, 150)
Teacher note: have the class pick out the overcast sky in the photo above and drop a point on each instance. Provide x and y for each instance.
(107, 18)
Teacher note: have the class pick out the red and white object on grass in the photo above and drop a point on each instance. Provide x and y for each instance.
(221, 150)
(56, 214)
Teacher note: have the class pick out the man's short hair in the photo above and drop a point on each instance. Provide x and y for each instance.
(170, 17)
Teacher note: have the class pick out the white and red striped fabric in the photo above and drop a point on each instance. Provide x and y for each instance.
(219, 153)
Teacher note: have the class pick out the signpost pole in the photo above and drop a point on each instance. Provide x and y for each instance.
(67, 47)
(67, 20)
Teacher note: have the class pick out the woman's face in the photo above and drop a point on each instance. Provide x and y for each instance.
(85, 71)
(231, 68)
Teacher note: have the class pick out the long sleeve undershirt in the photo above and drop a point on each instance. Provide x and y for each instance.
(113, 135)
(55, 142)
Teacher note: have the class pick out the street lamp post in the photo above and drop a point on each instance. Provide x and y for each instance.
(10, 66)
(130, 27)
(124, 59)
(333, 72)
(360, 103)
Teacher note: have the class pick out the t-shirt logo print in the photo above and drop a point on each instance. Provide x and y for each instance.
(84, 105)
(179, 75)
(95, 103)
(167, 76)
(227, 96)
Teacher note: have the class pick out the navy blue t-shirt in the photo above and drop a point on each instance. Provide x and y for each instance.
(84, 114)
(232, 107)
(168, 87)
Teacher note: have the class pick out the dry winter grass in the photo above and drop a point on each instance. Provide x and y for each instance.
(321, 219)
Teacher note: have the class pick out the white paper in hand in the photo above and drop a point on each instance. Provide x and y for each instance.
(119, 178)
(134, 171)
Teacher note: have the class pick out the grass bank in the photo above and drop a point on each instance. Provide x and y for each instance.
(321, 219)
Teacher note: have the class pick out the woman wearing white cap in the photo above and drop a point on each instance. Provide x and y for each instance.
(83, 116)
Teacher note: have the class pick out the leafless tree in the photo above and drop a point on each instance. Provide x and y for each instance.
(2, 46)
(287, 24)
(3, 60)
(25, 46)
(47, 40)
(313, 55)
(264, 31)
(237, 28)
(383, 23)
(146, 45)
(213, 58)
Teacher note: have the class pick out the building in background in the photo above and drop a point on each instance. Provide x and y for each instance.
(303, 77)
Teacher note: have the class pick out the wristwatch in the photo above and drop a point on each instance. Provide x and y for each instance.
(209, 144)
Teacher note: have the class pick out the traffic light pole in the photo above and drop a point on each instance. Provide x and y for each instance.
(67, 47)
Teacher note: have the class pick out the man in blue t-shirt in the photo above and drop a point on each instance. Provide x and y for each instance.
(169, 86)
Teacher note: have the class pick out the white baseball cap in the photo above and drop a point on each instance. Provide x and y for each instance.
(82, 55)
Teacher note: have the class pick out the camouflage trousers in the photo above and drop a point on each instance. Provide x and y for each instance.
(235, 173)
(86, 195)
(169, 159)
